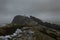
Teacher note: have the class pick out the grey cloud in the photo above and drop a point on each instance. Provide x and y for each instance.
(43, 9)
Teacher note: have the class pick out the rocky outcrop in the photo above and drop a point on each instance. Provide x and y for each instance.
(23, 20)
(20, 19)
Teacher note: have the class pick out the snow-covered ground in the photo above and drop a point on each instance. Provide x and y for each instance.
(18, 33)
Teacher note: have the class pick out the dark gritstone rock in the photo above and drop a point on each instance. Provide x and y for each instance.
(23, 20)
(20, 19)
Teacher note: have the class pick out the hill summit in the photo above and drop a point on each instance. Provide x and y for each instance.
(19, 19)
(23, 20)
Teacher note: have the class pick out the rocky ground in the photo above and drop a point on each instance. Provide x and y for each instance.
(27, 33)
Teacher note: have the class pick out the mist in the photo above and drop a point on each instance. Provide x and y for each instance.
(46, 10)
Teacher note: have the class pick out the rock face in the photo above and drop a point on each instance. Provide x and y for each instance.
(23, 20)
(20, 19)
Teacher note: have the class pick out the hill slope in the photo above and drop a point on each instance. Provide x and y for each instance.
(31, 28)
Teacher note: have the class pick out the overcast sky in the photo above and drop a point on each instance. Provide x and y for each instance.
(43, 9)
